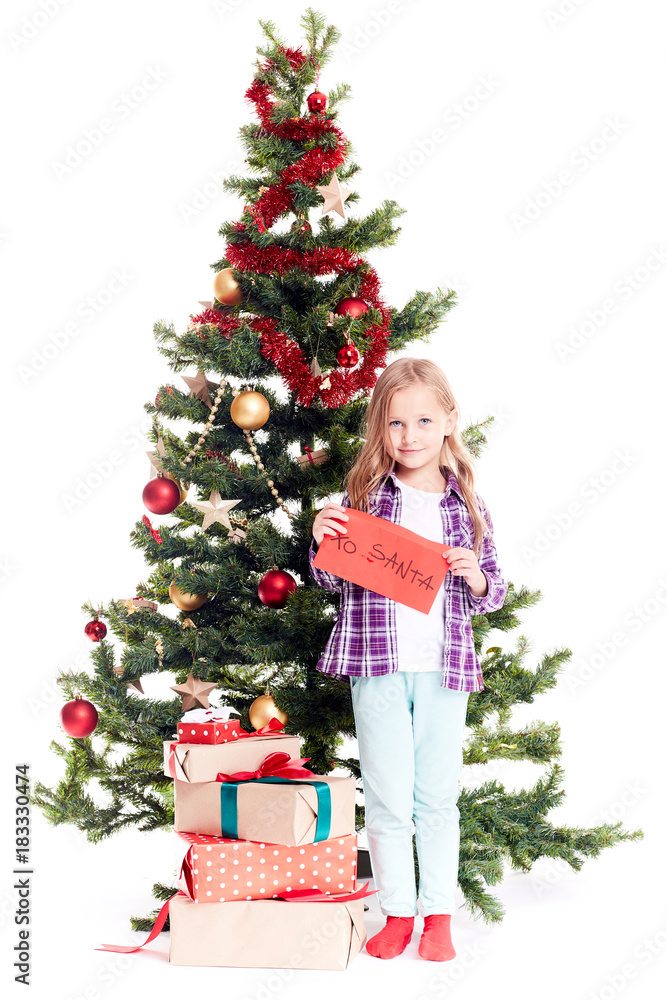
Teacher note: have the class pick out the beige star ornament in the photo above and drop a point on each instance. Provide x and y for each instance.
(334, 195)
(215, 510)
(119, 670)
(156, 458)
(136, 604)
(200, 387)
(195, 692)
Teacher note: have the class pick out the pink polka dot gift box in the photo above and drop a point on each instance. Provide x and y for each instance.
(218, 869)
(209, 732)
(209, 725)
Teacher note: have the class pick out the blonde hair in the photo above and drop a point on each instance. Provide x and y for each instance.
(374, 462)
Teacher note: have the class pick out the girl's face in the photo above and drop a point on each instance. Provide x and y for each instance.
(416, 427)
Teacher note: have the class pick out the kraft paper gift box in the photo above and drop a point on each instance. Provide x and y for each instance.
(266, 933)
(218, 869)
(204, 761)
(209, 732)
(312, 457)
(281, 813)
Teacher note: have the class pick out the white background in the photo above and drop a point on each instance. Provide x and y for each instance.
(521, 94)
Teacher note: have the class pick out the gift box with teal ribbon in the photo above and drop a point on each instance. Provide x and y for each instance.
(281, 802)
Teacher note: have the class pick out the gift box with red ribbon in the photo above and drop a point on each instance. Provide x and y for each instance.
(219, 869)
(203, 761)
(267, 933)
(312, 457)
(280, 802)
(305, 929)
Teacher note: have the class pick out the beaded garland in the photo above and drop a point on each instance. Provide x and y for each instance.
(249, 441)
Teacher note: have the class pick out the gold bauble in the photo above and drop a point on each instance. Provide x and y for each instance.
(263, 709)
(184, 493)
(226, 289)
(250, 410)
(185, 601)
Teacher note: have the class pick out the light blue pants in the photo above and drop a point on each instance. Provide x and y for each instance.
(410, 736)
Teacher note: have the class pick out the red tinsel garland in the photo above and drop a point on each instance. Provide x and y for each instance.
(315, 163)
(226, 324)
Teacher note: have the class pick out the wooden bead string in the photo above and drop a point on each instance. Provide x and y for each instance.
(269, 482)
(249, 440)
(209, 423)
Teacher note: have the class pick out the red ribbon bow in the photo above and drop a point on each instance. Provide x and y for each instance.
(275, 765)
(308, 451)
(154, 533)
(272, 726)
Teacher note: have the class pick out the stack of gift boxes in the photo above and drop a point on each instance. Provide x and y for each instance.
(267, 850)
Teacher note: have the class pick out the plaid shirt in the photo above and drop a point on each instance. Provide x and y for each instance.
(363, 640)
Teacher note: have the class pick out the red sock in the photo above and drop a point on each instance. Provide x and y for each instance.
(436, 941)
(392, 939)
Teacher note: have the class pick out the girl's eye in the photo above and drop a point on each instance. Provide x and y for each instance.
(393, 422)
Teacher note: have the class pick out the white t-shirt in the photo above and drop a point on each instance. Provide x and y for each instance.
(421, 637)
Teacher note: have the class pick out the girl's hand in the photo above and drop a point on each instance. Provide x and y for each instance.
(324, 523)
(463, 562)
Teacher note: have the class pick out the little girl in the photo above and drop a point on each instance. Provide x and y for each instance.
(410, 673)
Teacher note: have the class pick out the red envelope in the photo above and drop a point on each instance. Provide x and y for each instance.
(385, 558)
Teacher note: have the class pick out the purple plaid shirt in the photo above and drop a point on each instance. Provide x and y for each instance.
(363, 640)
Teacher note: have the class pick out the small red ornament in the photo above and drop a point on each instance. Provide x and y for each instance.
(317, 101)
(348, 356)
(255, 217)
(351, 307)
(161, 495)
(95, 630)
(158, 398)
(78, 718)
(301, 226)
(275, 587)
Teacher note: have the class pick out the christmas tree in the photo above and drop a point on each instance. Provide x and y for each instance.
(279, 367)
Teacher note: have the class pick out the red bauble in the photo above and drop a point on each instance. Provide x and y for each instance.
(78, 718)
(275, 587)
(161, 495)
(348, 356)
(95, 630)
(351, 307)
(317, 101)
(301, 226)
